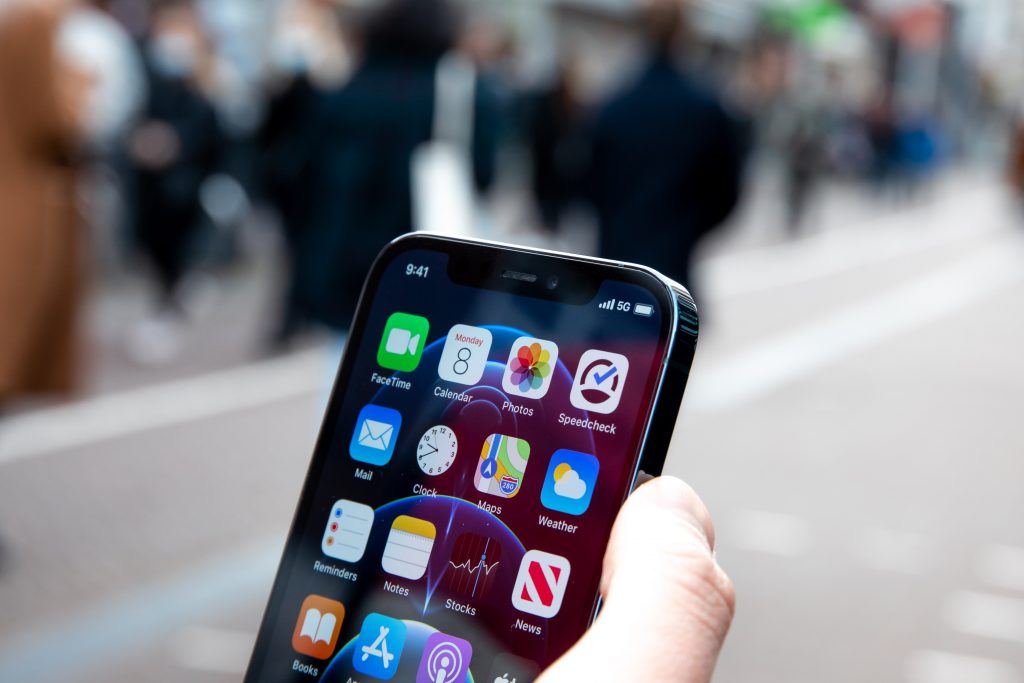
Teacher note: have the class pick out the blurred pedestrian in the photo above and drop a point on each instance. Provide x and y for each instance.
(558, 146)
(666, 159)
(362, 169)
(308, 61)
(880, 124)
(805, 157)
(1016, 170)
(40, 278)
(173, 149)
(91, 36)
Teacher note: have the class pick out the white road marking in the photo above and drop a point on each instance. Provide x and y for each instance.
(1002, 566)
(961, 218)
(889, 550)
(203, 648)
(772, 364)
(935, 666)
(143, 616)
(773, 533)
(158, 406)
(986, 615)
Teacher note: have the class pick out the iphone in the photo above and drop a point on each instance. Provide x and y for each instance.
(492, 411)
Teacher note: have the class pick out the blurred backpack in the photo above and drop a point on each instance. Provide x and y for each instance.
(443, 195)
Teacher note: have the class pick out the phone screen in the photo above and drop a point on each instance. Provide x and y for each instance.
(482, 436)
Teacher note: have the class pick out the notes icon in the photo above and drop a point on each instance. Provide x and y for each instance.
(408, 547)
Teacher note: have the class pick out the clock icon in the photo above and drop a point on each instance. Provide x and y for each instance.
(436, 450)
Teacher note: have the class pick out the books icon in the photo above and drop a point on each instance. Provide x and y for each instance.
(318, 626)
(408, 547)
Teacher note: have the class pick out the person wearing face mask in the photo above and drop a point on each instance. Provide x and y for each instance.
(173, 148)
(308, 61)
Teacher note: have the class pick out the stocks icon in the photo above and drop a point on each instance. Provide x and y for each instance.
(473, 565)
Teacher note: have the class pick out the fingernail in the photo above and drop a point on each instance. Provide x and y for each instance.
(674, 493)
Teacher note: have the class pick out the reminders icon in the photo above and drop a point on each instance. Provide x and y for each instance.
(348, 529)
(376, 432)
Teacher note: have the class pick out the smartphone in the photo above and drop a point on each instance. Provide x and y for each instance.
(490, 415)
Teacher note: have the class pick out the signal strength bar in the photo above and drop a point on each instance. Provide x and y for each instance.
(607, 305)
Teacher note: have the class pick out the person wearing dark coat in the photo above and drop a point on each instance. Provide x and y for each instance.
(361, 171)
(558, 148)
(174, 148)
(666, 160)
(288, 138)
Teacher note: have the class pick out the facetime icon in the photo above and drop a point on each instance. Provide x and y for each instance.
(401, 342)
(402, 345)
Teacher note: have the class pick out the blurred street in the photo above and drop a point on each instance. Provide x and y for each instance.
(192, 191)
(852, 422)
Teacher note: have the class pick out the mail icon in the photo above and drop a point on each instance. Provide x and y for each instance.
(375, 435)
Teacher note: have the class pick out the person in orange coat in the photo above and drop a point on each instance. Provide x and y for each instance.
(1016, 167)
(40, 285)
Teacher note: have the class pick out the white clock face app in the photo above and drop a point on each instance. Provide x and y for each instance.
(436, 450)
(464, 357)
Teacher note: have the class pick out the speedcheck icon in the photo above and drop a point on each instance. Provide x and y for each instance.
(373, 440)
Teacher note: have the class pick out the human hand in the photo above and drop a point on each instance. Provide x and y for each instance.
(667, 604)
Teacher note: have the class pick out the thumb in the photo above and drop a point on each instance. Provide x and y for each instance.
(667, 604)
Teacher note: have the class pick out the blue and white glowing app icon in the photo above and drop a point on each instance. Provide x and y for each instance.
(378, 647)
(375, 435)
(569, 484)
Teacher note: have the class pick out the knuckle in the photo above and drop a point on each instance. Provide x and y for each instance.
(708, 591)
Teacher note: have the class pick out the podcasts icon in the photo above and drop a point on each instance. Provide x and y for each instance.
(445, 659)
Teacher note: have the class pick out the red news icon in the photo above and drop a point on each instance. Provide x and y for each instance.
(541, 583)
